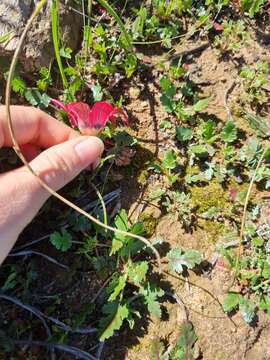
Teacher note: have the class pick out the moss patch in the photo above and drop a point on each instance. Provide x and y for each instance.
(206, 197)
(214, 229)
(149, 223)
(142, 177)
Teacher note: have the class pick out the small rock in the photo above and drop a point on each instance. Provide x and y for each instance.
(38, 47)
(134, 93)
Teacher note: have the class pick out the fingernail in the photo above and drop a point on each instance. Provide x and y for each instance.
(89, 150)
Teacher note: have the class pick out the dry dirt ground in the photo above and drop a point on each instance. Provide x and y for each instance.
(219, 337)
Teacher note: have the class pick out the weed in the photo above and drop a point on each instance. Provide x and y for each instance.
(252, 7)
(253, 81)
(233, 36)
(182, 349)
(252, 274)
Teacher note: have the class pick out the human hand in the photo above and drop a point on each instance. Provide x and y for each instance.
(67, 154)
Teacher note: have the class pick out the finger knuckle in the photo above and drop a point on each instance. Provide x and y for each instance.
(59, 167)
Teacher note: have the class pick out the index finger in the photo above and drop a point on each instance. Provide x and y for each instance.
(33, 126)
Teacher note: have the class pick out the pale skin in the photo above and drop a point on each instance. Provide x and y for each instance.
(65, 155)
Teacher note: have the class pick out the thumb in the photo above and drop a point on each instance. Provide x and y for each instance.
(21, 195)
(61, 163)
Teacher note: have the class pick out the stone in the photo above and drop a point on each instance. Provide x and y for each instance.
(38, 47)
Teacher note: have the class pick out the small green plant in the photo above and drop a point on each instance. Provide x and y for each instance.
(62, 242)
(253, 273)
(168, 166)
(252, 7)
(232, 37)
(179, 205)
(35, 96)
(246, 306)
(128, 274)
(179, 107)
(180, 260)
(181, 350)
(253, 81)
(157, 27)
(259, 124)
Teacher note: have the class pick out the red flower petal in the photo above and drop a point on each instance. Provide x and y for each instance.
(79, 114)
(86, 119)
(59, 104)
(102, 112)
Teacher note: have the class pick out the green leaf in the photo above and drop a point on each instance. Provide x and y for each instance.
(257, 241)
(121, 223)
(151, 295)
(122, 279)
(31, 98)
(137, 271)
(266, 270)
(121, 220)
(247, 309)
(35, 98)
(252, 6)
(133, 246)
(250, 152)
(259, 124)
(229, 132)
(183, 134)
(115, 315)
(66, 52)
(167, 87)
(168, 103)
(139, 22)
(55, 37)
(90, 243)
(97, 92)
(170, 160)
(207, 131)
(18, 85)
(125, 244)
(184, 348)
(11, 281)
(156, 194)
(203, 150)
(178, 259)
(6, 37)
(195, 178)
(265, 304)
(201, 105)
(88, 35)
(62, 242)
(231, 302)
(130, 64)
(165, 124)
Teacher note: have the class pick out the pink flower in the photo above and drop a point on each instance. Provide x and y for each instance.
(218, 27)
(91, 121)
(233, 194)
